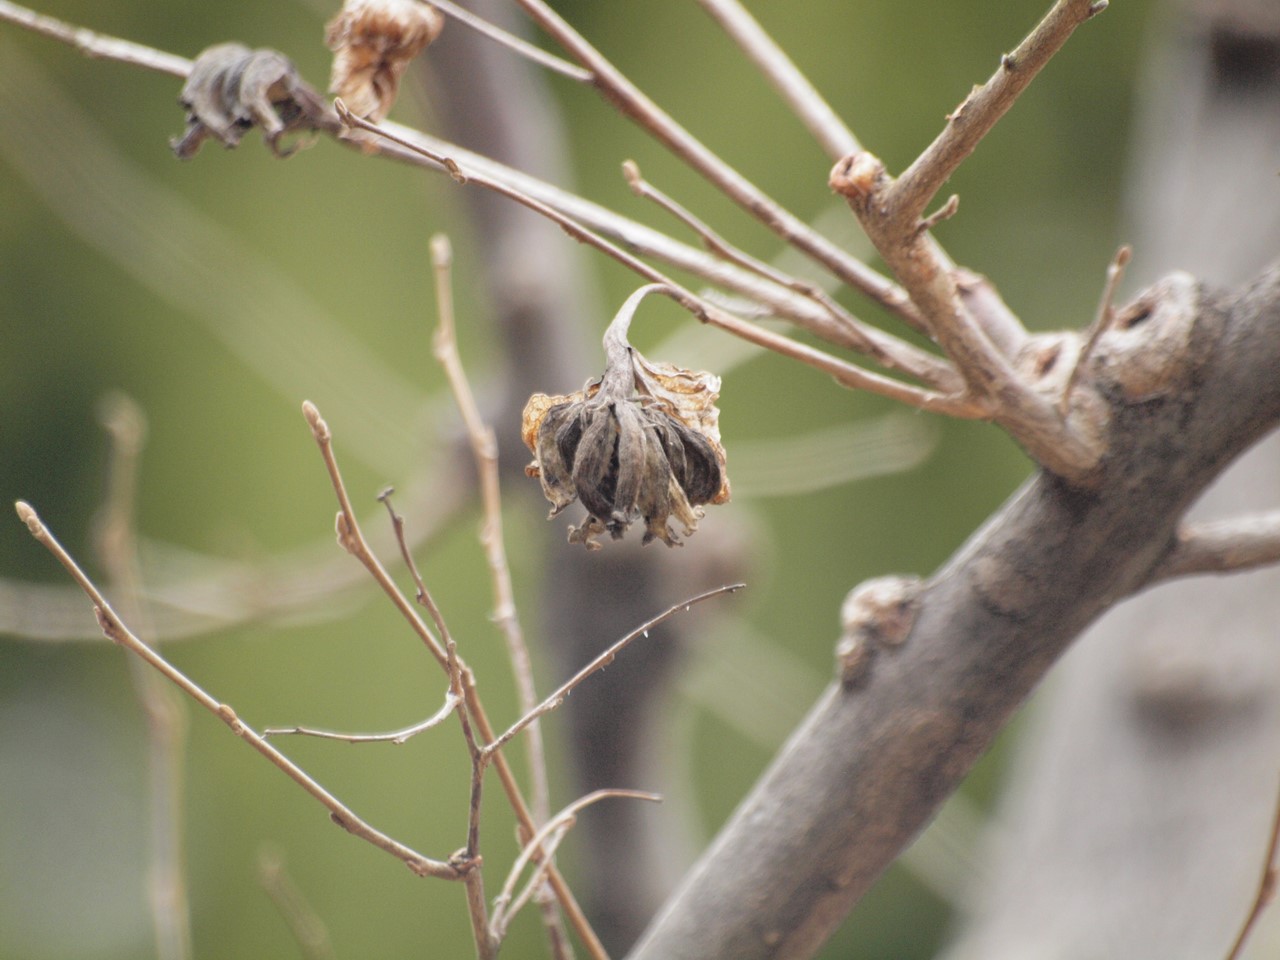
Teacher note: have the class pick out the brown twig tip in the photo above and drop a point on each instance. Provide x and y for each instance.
(1098, 7)
(27, 514)
(945, 212)
(858, 175)
(319, 429)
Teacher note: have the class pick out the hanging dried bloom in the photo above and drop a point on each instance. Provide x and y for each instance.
(372, 43)
(642, 442)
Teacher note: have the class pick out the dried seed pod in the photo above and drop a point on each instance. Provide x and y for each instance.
(642, 442)
(232, 89)
(372, 43)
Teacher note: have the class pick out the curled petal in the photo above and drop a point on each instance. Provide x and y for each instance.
(594, 464)
(553, 470)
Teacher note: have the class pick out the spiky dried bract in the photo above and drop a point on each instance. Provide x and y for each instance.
(643, 442)
(373, 42)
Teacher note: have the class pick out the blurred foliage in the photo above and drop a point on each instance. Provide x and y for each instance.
(231, 471)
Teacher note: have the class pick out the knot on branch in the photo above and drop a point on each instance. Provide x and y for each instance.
(1147, 352)
(858, 177)
(875, 615)
(232, 89)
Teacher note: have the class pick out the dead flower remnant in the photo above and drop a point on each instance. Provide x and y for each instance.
(642, 441)
(372, 43)
(232, 89)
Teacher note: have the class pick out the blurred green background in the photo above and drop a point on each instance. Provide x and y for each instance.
(230, 470)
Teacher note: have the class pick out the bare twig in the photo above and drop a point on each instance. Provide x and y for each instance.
(847, 330)
(633, 103)
(161, 704)
(603, 660)
(1223, 546)
(350, 538)
(116, 631)
(394, 736)
(509, 40)
(548, 839)
(847, 374)
(1101, 322)
(308, 929)
(96, 45)
(800, 95)
(974, 118)
(1266, 888)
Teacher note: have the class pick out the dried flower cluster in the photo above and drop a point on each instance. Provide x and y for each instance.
(232, 89)
(642, 442)
(372, 43)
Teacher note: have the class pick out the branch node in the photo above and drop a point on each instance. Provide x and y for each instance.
(877, 614)
(858, 176)
(945, 212)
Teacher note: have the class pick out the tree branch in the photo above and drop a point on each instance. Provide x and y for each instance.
(875, 759)
(1224, 546)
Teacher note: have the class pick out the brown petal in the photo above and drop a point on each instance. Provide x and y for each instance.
(594, 463)
(553, 470)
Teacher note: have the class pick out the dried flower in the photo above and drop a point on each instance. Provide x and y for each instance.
(373, 42)
(643, 441)
(232, 89)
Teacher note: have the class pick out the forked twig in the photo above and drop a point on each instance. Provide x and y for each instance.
(351, 538)
(118, 632)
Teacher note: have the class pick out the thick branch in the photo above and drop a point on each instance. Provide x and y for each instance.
(875, 760)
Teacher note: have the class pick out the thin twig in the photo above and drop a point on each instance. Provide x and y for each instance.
(1222, 546)
(96, 45)
(115, 630)
(161, 704)
(1101, 322)
(633, 103)
(845, 373)
(1266, 888)
(887, 350)
(395, 736)
(304, 923)
(780, 70)
(603, 660)
(512, 42)
(548, 839)
(352, 539)
(980, 111)
(484, 446)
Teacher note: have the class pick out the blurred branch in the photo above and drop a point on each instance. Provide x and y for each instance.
(308, 929)
(166, 718)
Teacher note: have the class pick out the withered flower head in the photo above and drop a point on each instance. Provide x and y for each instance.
(643, 441)
(372, 43)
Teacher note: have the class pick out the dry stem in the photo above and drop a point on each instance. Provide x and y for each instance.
(1266, 888)
(352, 540)
(633, 103)
(603, 660)
(115, 630)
